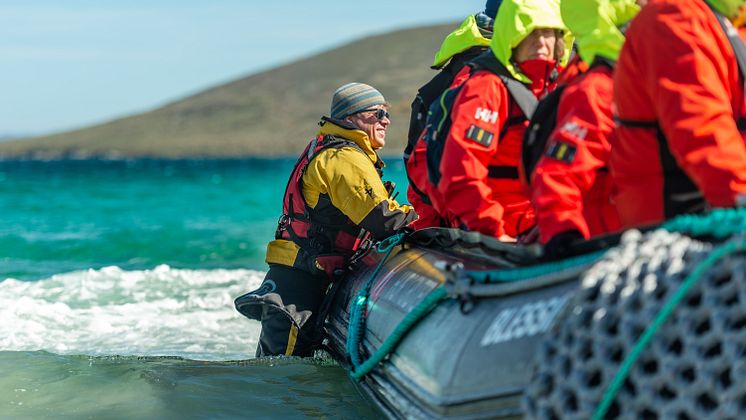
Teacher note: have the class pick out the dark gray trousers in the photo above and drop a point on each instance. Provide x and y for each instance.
(287, 304)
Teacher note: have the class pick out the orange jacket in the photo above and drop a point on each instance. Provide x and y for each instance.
(479, 187)
(571, 186)
(677, 69)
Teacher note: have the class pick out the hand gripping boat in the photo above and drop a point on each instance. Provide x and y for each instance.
(450, 324)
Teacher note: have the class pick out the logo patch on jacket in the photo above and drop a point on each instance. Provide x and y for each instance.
(561, 151)
(574, 130)
(486, 115)
(480, 135)
(368, 189)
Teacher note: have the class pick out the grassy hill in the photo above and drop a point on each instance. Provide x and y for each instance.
(271, 113)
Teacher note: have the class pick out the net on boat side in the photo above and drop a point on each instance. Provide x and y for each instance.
(691, 367)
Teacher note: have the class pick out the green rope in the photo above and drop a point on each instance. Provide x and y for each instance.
(659, 320)
(356, 327)
(525, 273)
(429, 303)
(389, 243)
(720, 223)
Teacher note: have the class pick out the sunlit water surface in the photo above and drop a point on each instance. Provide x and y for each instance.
(117, 281)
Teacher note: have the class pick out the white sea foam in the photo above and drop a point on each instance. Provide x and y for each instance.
(164, 311)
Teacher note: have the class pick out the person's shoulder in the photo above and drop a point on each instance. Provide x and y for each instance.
(597, 79)
(667, 13)
(335, 163)
(346, 153)
(656, 7)
(484, 83)
(590, 95)
(484, 76)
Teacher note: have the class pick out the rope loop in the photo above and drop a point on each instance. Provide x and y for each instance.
(359, 307)
(387, 244)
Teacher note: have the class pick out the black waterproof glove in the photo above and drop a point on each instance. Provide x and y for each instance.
(560, 244)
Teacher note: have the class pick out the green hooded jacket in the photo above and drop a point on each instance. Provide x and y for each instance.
(729, 8)
(466, 36)
(595, 25)
(516, 19)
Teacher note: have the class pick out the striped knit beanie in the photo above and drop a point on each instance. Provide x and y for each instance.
(354, 97)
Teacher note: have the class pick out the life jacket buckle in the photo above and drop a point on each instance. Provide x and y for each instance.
(282, 222)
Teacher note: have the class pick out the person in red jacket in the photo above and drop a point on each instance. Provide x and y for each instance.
(680, 102)
(421, 193)
(468, 41)
(475, 177)
(571, 186)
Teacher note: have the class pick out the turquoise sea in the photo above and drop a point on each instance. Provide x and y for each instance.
(117, 280)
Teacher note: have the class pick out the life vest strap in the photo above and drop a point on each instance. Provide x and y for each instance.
(636, 123)
(502, 172)
(520, 93)
(511, 122)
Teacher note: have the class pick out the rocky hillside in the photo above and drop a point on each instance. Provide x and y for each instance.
(271, 113)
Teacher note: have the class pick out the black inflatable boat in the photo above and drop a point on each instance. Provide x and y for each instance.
(647, 324)
(473, 355)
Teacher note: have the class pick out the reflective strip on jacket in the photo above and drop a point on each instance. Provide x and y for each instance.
(678, 69)
(571, 186)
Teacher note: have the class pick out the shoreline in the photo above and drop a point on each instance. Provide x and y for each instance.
(117, 158)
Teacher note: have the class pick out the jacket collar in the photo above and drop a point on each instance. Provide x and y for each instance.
(347, 130)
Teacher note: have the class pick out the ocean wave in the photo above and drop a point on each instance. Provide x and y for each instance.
(160, 312)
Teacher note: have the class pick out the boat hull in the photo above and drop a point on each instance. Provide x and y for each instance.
(469, 358)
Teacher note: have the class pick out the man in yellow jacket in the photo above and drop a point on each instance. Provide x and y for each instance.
(335, 199)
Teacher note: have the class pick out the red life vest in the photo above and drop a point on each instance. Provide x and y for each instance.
(327, 238)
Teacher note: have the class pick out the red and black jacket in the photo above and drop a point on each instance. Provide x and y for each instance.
(473, 143)
(570, 185)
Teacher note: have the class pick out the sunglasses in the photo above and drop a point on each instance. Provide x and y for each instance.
(380, 113)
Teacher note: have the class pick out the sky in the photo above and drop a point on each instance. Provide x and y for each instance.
(69, 64)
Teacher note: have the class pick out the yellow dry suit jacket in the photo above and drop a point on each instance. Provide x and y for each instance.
(346, 179)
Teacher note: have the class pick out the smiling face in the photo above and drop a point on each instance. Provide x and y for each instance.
(375, 128)
(538, 45)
